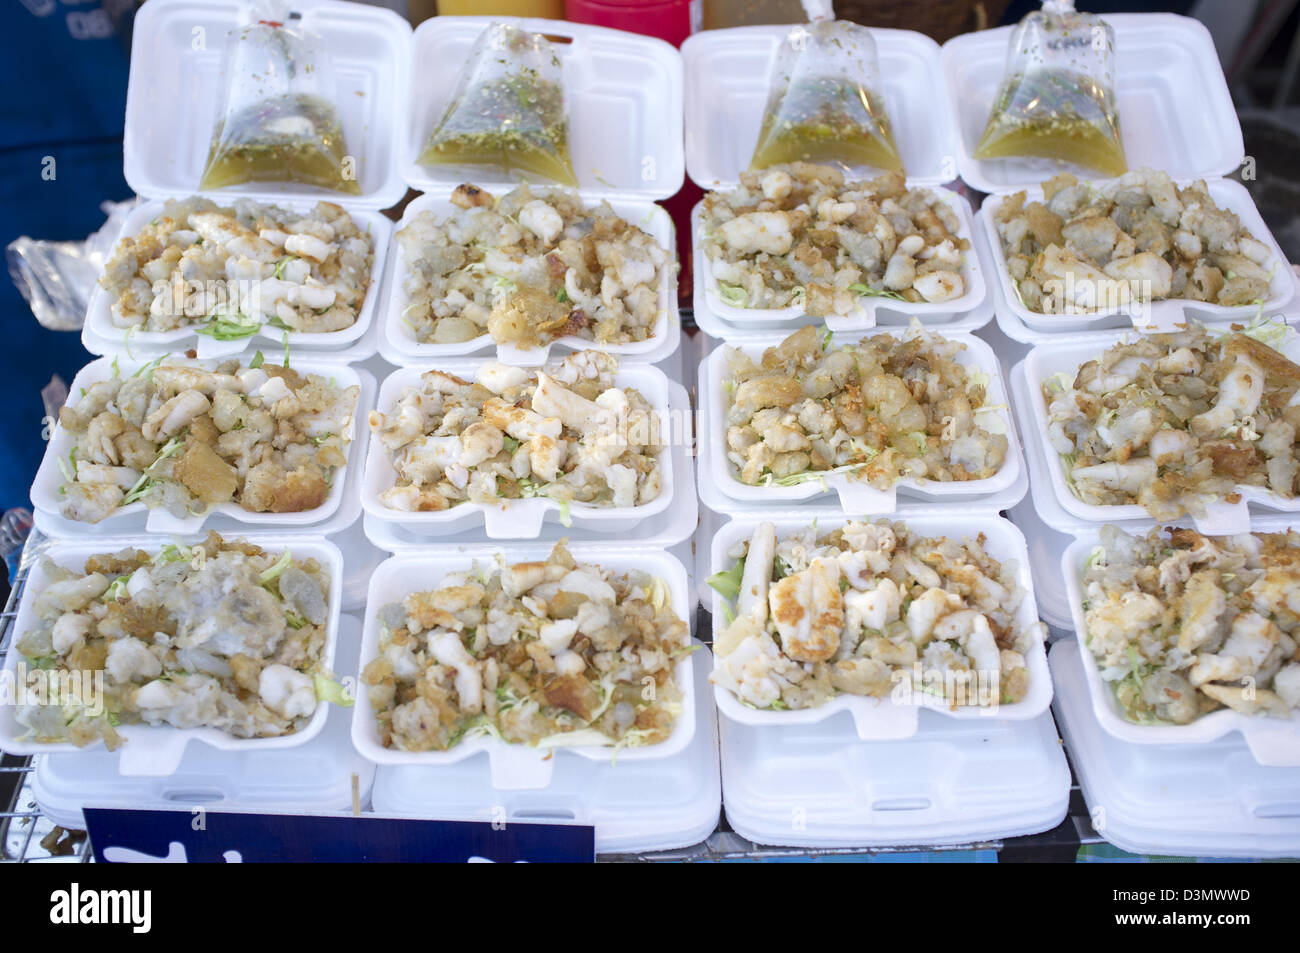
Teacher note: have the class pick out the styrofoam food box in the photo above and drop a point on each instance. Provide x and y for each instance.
(1175, 111)
(1164, 315)
(520, 519)
(855, 496)
(515, 766)
(637, 806)
(884, 718)
(138, 515)
(156, 750)
(1273, 741)
(954, 782)
(315, 777)
(101, 325)
(171, 111)
(871, 309)
(1210, 800)
(398, 343)
(175, 85)
(727, 76)
(623, 94)
(1048, 359)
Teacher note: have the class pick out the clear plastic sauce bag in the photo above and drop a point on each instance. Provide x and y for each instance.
(825, 103)
(278, 121)
(1057, 100)
(508, 110)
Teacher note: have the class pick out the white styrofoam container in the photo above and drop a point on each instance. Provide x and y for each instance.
(635, 806)
(886, 719)
(856, 497)
(398, 343)
(1164, 315)
(515, 766)
(138, 516)
(1210, 800)
(871, 309)
(101, 335)
(1272, 741)
(1221, 517)
(623, 93)
(954, 782)
(1175, 112)
(728, 75)
(315, 777)
(157, 750)
(175, 86)
(523, 519)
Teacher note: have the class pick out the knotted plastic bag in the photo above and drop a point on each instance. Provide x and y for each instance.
(507, 110)
(277, 121)
(825, 103)
(1058, 98)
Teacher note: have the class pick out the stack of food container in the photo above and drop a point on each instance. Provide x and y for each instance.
(524, 649)
(844, 519)
(1152, 427)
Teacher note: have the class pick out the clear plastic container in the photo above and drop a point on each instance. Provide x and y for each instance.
(825, 103)
(1057, 99)
(277, 120)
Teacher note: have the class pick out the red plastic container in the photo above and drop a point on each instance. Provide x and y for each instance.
(668, 20)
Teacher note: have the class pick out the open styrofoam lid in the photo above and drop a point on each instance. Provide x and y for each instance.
(623, 93)
(1175, 112)
(175, 85)
(728, 73)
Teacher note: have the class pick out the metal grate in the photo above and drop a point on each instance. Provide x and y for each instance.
(25, 834)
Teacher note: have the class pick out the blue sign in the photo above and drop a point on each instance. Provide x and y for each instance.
(203, 836)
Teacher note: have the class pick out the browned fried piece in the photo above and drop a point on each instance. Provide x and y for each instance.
(523, 316)
(1281, 373)
(143, 622)
(303, 489)
(572, 693)
(205, 474)
(1044, 223)
(468, 196)
(89, 656)
(120, 564)
(1231, 459)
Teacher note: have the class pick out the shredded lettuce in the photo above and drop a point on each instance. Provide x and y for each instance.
(331, 692)
(145, 483)
(116, 589)
(510, 443)
(229, 326)
(870, 292)
(274, 571)
(733, 295)
(566, 518)
(146, 370)
(794, 479)
(258, 360)
(286, 348)
(727, 582)
(1269, 332)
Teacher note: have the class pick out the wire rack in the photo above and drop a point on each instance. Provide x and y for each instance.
(26, 835)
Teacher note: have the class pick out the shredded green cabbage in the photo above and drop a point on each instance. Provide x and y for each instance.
(331, 692)
(733, 295)
(727, 582)
(276, 568)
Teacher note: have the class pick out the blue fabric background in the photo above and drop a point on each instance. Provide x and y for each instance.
(64, 76)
